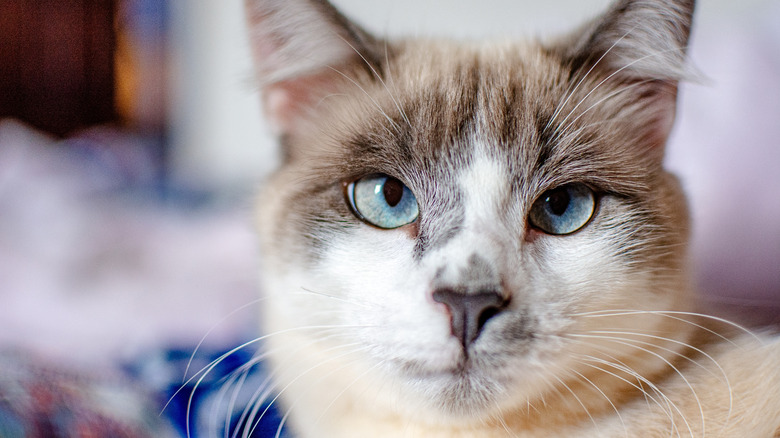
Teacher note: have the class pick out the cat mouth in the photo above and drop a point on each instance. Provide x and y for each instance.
(466, 366)
(462, 391)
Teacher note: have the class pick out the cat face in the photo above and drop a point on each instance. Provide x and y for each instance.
(456, 229)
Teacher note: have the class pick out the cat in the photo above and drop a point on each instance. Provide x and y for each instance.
(480, 240)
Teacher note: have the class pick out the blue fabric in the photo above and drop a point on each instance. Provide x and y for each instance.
(213, 393)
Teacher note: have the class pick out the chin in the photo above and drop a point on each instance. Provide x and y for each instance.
(471, 389)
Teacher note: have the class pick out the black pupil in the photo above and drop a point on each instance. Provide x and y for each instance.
(393, 191)
(558, 201)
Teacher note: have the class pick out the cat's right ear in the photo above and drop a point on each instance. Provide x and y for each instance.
(301, 49)
(641, 42)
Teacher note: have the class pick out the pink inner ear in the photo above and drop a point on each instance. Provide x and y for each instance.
(289, 102)
(663, 105)
(279, 108)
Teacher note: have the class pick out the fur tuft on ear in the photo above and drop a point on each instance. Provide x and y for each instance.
(299, 47)
(640, 39)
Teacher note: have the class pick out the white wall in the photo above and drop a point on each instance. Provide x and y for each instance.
(218, 137)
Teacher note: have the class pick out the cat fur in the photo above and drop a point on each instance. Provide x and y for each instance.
(600, 337)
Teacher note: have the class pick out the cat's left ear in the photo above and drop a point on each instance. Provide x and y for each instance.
(301, 50)
(637, 41)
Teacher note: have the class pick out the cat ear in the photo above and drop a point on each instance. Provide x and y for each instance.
(300, 50)
(643, 39)
(637, 41)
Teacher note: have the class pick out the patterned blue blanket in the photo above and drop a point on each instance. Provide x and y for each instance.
(171, 393)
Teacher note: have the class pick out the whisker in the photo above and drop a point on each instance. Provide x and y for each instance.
(623, 341)
(617, 412)
(587, 412)
(203, 372)
(371, 98)
(619, 366)
(235, 380)
(328, 96)
(500, 419)
(214, 327)
(674, 315)
(282, 423)
(674, 341)
(266, 387)
(613, 74)
(294, 404)
(379, 78)
(672, 407)
(569, 95)
(392, 82)
(333, 297)
(602, 100)
(260, 394)
(532, 406)
(723, 373)
(253, 415)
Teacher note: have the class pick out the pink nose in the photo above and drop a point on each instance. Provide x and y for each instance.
(470, 312)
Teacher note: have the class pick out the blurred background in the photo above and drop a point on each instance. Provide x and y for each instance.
(131, 142)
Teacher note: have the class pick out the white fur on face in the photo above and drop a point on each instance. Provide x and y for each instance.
(370, 285)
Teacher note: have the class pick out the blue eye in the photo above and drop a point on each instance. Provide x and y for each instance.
(382, 201)
(563, 210)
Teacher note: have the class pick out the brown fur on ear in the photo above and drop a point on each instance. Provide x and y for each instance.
(300, 48)
(639, 42)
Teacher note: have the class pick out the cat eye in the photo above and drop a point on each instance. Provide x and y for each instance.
(563, 210)
(382, 201)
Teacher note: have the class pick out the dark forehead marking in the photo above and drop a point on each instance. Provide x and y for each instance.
(506, 109)
(443, 123)
(467, 99)
(515, 111)
(375, 147)
(431, 131)
(443, 113)
(544, 143)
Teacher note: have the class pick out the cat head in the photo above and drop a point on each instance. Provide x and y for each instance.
(453, 223)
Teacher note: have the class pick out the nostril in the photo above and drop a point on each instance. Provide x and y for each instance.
(486, 315)
(470, 312)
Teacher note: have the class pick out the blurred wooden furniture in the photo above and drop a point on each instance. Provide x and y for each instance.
(57, 62)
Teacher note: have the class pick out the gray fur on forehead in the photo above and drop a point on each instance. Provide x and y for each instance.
(436, 100)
